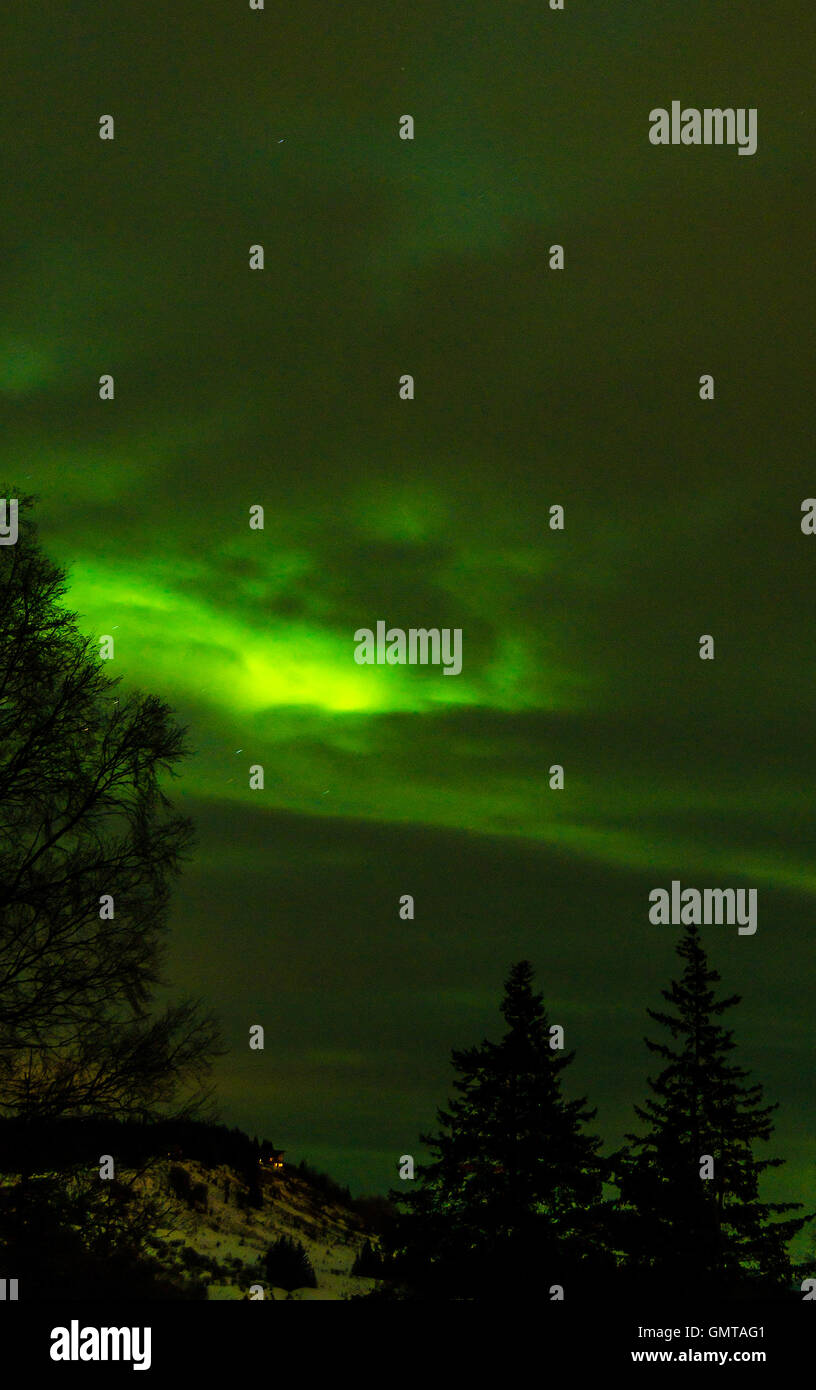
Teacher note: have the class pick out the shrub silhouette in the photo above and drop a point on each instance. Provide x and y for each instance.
(368, 1262)
(180, 1183)
(288, 1266)
(94, 1235)
(194, 1194)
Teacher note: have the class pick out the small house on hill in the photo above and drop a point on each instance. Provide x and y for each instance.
(271, 1159)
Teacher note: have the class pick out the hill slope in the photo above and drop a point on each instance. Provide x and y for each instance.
(212, 1235)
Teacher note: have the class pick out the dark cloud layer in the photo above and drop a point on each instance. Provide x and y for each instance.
(533, 388)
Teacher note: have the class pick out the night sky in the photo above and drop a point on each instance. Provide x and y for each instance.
(533, 388)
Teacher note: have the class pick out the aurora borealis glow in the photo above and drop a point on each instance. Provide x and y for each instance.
(532, 388)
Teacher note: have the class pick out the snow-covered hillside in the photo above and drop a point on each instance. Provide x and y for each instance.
(222, 1241)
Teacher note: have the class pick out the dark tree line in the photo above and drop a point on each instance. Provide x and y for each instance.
(83, 816)
(89, 847)
(516, 1199)
(516, 1196)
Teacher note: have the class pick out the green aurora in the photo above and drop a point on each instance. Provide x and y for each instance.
(532, 388)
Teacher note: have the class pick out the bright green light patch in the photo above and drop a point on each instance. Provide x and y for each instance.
(188, 645)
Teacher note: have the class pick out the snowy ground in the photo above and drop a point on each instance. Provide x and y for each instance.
(225, 1245)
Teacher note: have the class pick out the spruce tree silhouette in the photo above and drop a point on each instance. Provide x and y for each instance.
(511, 1202)
(681, 1232)
(287, 1265)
